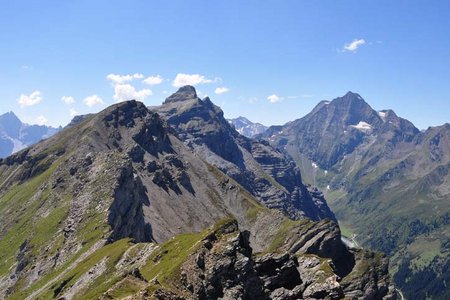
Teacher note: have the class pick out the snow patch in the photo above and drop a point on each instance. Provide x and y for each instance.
(315, 166)
(18, 145)
(382, 115)
(328, 187)
(362, 126)
(326, 172)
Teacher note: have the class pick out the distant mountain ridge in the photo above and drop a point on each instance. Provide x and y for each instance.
(385, 180)
(246, 127)
(15, 135)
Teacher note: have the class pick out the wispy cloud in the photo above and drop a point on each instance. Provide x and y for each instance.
(221, 90)
(354, 45)
(153, 80)
(93, 100)
(191, 79)
(274, 98)
(68, 100)
(124, 92)
(119, 79)
(31, 99)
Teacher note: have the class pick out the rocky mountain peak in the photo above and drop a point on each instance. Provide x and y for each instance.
(184, 93)
(352, 95)
(78, 119)
(15, 135)
(264, 171)
(11, 124)
(352, 109)
(124, 112)
(9, 116)
(246, 127)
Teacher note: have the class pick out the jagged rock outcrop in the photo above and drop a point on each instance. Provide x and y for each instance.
(265, 172)
(225, 267)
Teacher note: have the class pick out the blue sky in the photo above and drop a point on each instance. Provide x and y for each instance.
(272, 60)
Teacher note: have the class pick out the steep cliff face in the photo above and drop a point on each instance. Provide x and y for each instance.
(265, 172)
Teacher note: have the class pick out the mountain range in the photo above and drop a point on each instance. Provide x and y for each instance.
(171, 202)
(15, 135)
(246, 127)
(386, 181)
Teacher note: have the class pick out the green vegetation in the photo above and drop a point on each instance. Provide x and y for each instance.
(364, 265)
(124, 288)
(165, 262)
(283, 232)
(111, 253)
(346, 230)
(18, 202)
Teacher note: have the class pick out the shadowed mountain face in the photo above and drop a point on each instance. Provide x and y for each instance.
(268, 174)
(246, 127)
(117, 205)
(15, 135)
(384, 179)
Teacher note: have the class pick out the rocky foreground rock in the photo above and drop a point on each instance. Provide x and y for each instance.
(225, 267)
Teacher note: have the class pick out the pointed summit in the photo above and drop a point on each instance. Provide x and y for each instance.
(184, 93)
(10, 123)
(351, 94)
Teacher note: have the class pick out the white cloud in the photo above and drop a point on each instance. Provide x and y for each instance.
(190, 79)
(93, 100)
(124, 92)
(354, 45)
(68, 100)
(221, 90)
(73, 112)
(41, 120)
(153, 80)
(120, 79)
(29, 100)
(274, 98)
